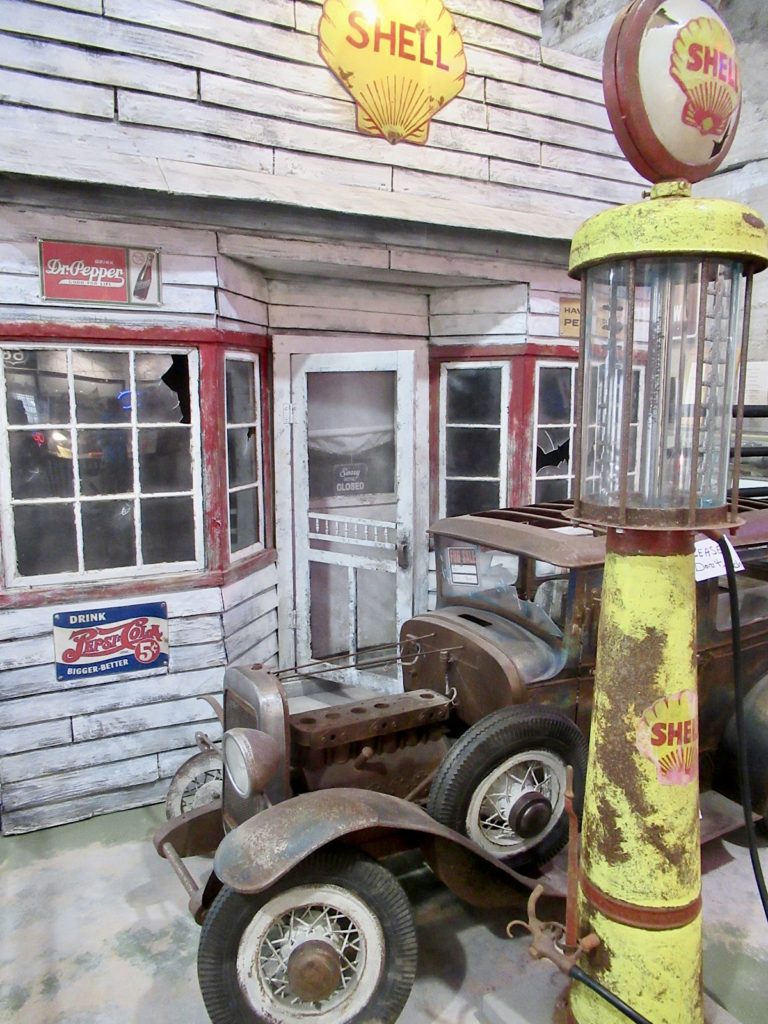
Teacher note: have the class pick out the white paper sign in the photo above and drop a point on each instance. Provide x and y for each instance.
(709, 559)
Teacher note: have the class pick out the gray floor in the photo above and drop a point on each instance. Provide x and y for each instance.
(94, 931)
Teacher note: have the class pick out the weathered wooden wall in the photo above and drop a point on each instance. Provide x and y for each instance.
(232, 99)
(74, 749)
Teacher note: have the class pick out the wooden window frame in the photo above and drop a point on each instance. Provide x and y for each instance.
(219, 567)
(505, 366)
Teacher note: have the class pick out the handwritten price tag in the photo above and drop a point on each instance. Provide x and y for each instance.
(709, 559)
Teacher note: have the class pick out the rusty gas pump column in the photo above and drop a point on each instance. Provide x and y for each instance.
(663, 336)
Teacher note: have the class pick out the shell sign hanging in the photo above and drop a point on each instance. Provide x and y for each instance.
(401, 61)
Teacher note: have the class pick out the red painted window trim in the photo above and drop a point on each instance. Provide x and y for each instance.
(523, 359)
(212, 345)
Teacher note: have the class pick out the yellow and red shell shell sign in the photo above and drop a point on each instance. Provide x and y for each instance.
(705, 67)
(672, 87)
(401, 61)
(668, 736)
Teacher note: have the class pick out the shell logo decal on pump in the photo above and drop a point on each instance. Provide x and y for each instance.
(401, 61)
(668, 735)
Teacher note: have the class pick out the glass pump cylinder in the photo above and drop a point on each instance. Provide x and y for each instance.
(661, 348)
(663, 339)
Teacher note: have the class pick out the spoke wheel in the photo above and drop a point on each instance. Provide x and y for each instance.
(518, 804)
(503, 783)
(332, 943)
(196, 783)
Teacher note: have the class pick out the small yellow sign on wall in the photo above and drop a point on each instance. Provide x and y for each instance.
(401, 61)
(570, 316)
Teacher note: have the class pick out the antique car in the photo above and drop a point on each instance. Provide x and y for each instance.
(301, 918)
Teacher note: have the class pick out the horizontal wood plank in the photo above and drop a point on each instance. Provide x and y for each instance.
(31, 90)
(249, 611)
(79, 64)
(65, 811)
(233, 594)
(83, 782)
(444, 325)
(152, 718)
(34, 737)
(251, 635)
(488, 299)
(111, 696)
(348, 295)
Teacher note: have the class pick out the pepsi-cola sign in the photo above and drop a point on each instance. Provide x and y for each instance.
(104, 641)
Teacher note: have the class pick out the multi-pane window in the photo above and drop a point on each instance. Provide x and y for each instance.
(554, 431)
(100, 462)
(243, 453)
(474, 402)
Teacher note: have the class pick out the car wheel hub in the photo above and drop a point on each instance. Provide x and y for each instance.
(530, 814)
(314, 971)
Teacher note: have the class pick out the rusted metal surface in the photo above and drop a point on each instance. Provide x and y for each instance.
(392, 763)
(652, 918)
(380, 716)
(195, 834)
(256, 855)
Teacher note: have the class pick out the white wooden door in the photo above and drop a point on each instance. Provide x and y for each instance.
(355, 519)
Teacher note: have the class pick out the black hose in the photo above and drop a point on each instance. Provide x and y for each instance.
(579, 975)
(745, 785)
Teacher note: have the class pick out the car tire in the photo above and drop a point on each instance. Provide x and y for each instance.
(333, 942)
(503, 783)
(197, 782)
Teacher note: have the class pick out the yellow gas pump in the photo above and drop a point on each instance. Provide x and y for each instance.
(666, 285)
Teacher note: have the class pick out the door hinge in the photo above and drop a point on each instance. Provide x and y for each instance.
(288, 412)
(293, 619)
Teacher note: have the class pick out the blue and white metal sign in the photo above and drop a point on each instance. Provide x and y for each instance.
(105, 641)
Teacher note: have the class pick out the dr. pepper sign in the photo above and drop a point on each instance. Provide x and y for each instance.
(401, 61)
(84, 272)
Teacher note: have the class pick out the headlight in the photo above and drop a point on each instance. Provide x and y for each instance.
(251, 758)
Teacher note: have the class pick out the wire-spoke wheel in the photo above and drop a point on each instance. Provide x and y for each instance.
(332, 943)
(503, 783)
(196, 783)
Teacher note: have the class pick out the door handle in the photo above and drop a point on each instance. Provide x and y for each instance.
(403, 550)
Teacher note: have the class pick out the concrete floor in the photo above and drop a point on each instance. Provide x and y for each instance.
(94, 931)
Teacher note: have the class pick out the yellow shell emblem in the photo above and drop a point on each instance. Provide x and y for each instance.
(401, 61)
(705, 66)
(668, 735)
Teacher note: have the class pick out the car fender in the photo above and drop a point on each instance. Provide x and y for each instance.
(258, 853)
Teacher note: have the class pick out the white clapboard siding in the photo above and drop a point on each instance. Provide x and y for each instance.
(241, 309)
(492, 193)
(53, 94)
(296, 252)
(538, 101)
(248, 611)
(22, 289)
(349, 295)
(26, 225)
(262, 653)
(32, 737)
(47, 815)
(106, 749)
(75, 63)
(489, 299)
(451, 324)
(109, 696)
(497, 39)
(241, 87)
(79, 782)
(346, 320)
(344, 172)
(241, 279)
(68, 751)
(251, 635)
(142, 721)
